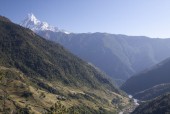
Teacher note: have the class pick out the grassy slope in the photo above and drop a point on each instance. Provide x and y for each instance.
(24, 94)
(42, 73)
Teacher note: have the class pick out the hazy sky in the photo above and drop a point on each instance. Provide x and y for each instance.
(130, 17)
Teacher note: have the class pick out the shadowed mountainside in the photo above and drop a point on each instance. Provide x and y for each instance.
(159, 105)
(151, 82)
(119, 56)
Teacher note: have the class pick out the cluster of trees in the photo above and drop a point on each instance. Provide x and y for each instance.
(3, 85)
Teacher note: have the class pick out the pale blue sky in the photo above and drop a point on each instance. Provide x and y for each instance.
(131, 17)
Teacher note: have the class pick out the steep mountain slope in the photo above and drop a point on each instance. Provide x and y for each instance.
(153, 92)
(37, 73)
(35, 56)
(150, 78)
(158, 105)
(119, 56)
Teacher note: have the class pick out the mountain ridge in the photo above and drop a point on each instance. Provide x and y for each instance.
(119, 56)
(149, 79)
(122, 50)
(153, 92)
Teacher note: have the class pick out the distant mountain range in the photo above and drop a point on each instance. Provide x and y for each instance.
(40, 76)
(119, 56)
(150, 83)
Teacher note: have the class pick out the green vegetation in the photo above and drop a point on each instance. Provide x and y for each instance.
(58, 108)
(87, 110)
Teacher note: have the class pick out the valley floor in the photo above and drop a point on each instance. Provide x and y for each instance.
(130, 108)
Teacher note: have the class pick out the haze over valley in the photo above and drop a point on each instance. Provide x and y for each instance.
(89, 57)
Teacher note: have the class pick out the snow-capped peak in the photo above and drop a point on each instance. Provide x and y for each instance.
(34, 24)
(32, 18)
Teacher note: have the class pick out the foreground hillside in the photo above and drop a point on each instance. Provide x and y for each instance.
(37, 74)
(149, 83)
(158, 105)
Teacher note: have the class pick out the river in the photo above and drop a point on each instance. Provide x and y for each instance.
(129, 109)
